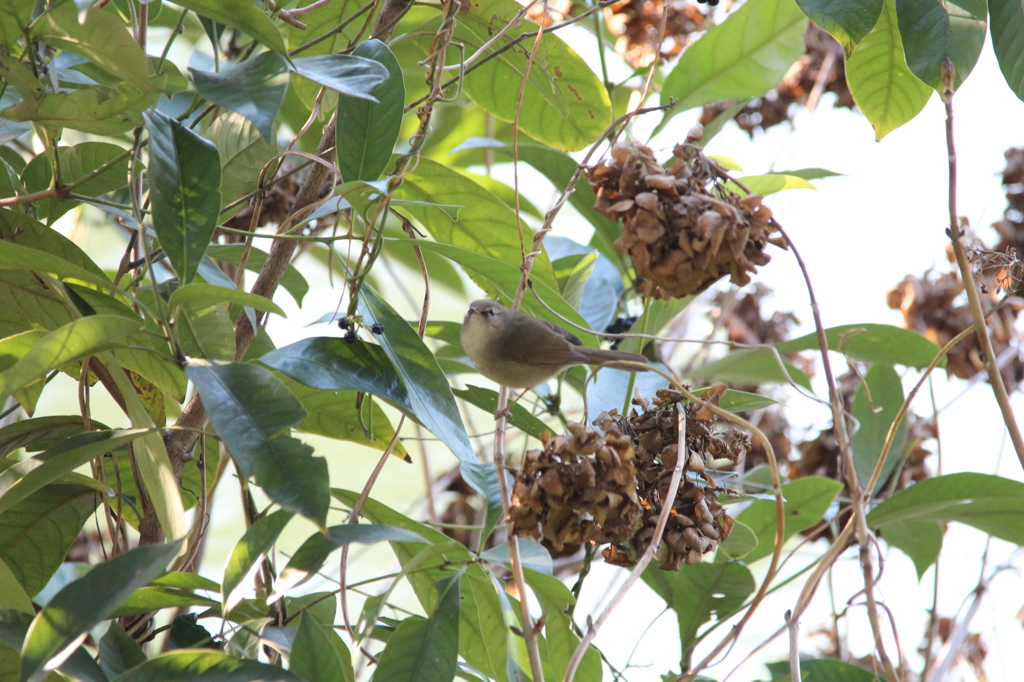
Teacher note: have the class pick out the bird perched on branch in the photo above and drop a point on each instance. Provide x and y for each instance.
(521, 351)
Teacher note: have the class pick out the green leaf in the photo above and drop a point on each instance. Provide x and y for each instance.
(14, 626)
(78, 339)
(313, 656)
(741, 401)
(560, 640)
(118, 652)
(292, 280)
(519, 416)
(153, 598)
(20, 480)
(346, 74)
(807, 500)
(871, 343)
(847, 22)
(200, 296)
(87, 601)
(206, 332)
(425, 649)
(701, 592)
(333, 364)
(243, 153)
(919, 540)
(14, 17)
(76, 163)
(37, 532)
(239, 14)
(345, 416)
(429, 393)
(875, 416)
(824, 670)
(184, 175)
(991, 504)
(752, 366)
(311, 556)
(744, 56)
(12, 594)
(204, 665)
(500, 279)
(572, 273)
(90, 109)
(740, 543)
(936, 30)
(254, 88)
(771, 183)
(1007, 27)
(564, 105)
(367, 131)
(249, 552)
(484, 479)
(813, 173)
(101, 37)
(485, 225)
(249, 408)
(883, 86)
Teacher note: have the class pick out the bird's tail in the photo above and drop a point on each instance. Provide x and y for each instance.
(613, 358)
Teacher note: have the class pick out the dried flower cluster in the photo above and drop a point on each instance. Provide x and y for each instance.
(579, 488)
(586, 487)
(547, 14)
(683, 228)
(820, 69)
(638, 25)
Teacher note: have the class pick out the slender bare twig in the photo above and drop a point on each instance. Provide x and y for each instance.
(966, 275)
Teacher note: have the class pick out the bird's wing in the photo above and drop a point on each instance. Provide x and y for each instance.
(563, 333)
(536, 347)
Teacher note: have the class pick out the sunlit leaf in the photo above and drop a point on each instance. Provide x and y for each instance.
(806, 501)
(249, 552)
(848, 22)
(871, 343)
(254, 88)
(239, 14)
(203, 665)
(202, 295)
(936, 30)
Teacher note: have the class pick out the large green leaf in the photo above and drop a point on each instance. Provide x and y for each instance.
(240, 14)
(560, 640)
(848, 22)
(204, 665)
(243, 154)
(429, 393)
(912, 519)
(36, 533)
(292, 280)
(325, 17)
(254, 88)
(248, 552)
(700, 593)
(200, 296)
(874, 407)
(744, 56)
(500, 279)
(12, 594)
(87, 601)
(367, 131)
(752, 366)
(77, 163)
(484, 223)
(885, 89)
(425, 649)
(249, 407)
(1007, 27)
(346, 74)
(824, 670)
(871, 343)
(80, 338)
(936, 30)
(314, 656)
(14, 626)
(519, 416)
(101, 37)
(807, 500)
(564, 104)
(184, 175)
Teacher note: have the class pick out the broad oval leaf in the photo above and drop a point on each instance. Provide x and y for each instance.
(885, 89)
(244, 153)
(203, 665)
(753, 366)
(200, 296)
(1007, 27)
(913, 519)
(564, 105)
(255, 89)
(770, 183)
(346, 74)
(184, 176)
(57, 629)
(314, 656)
(874, 407)
(936, 30)
(744, 56)
(871, 343)
(249, 407)
(249, 552)
(367, 131)
(848, 22)
(430, 396)
(240, 14)
(807, 500)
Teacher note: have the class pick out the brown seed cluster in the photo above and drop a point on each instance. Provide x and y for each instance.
(821, 69)
(638, 25)
(586, 487)
(579, 488)
(683, 228)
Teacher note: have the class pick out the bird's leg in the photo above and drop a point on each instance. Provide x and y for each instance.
(507, 411)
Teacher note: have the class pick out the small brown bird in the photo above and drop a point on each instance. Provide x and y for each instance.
(521, 351)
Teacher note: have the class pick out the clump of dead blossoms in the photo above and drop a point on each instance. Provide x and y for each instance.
(683, 227)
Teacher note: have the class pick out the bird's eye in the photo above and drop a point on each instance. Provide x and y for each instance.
(488, 313)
